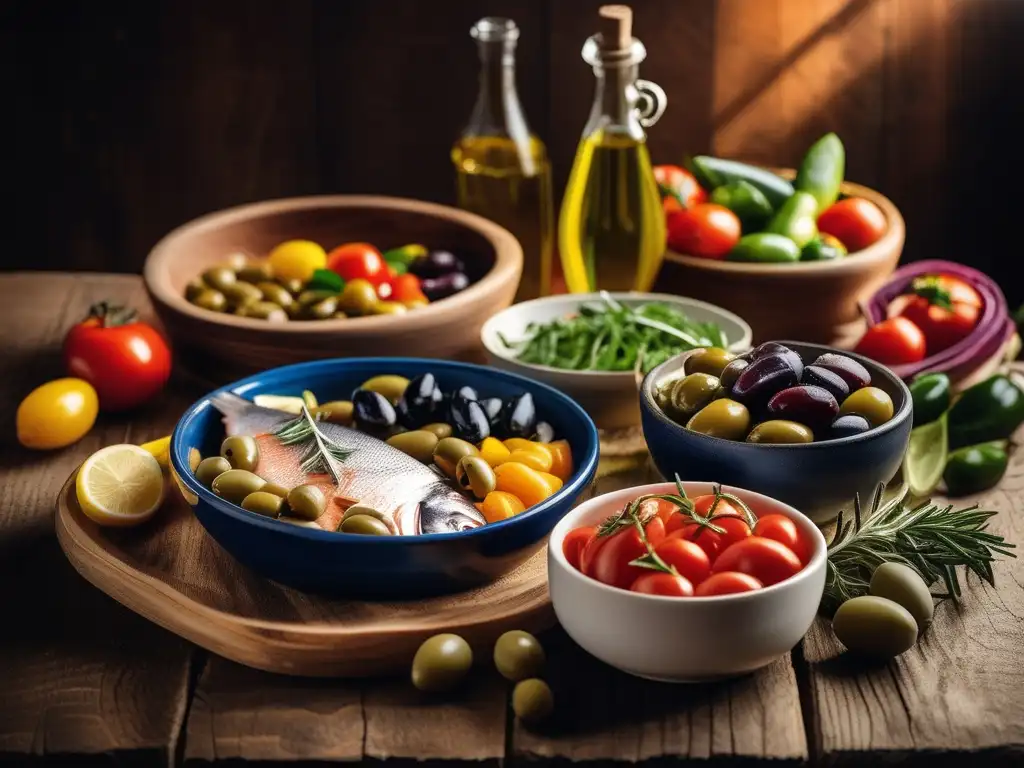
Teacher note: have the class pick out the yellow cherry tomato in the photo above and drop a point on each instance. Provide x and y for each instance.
(493, 452)
(297, 260)
(561, 459)
(552, 480)
(531, 486)
(518, 443)
(56, 414)
(500, 505)
(534, 457)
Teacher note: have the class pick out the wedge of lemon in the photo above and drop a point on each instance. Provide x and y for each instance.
(926, 457)
(160, 450)
(121, 485)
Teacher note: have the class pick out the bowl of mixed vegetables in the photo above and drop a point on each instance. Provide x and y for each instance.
(595, 347)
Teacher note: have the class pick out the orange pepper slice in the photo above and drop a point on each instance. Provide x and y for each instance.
(561, 459)
(493, 451)
(531, 486)
(534, 457)
(500, 505)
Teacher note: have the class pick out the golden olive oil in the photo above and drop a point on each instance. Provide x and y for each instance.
(509, 183)
(611, 231)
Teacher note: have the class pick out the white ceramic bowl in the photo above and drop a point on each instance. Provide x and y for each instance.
(689, 639)
(609, 397)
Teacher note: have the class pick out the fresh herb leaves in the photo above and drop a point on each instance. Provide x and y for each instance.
(320, 452)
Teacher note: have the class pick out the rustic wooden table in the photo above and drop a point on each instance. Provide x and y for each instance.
(84, 681)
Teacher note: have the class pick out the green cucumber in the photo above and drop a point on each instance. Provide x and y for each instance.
(765, 248)
(713, 172)
(796, 219)
(821, 173)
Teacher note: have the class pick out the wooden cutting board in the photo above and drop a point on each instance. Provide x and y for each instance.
(170, 571)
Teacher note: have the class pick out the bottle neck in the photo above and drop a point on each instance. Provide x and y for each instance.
(615, 99)
(497, 111)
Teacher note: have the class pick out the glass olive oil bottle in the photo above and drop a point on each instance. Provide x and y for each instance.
(502, 169)
(611, 231)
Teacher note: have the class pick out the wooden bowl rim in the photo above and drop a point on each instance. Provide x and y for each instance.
(508, 258)
(858, 261)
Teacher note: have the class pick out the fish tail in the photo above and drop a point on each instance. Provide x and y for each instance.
(230, 404)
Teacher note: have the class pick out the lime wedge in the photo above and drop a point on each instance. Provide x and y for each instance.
(926, 457)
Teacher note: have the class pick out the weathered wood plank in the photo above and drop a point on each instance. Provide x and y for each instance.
(81, 675)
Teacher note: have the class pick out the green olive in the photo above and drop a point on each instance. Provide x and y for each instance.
(870, 402)
(532, 700)
(194, 459)
(721, 418)
(339, 315)
(731, 372)
(711, 360)
(276, 489)
(235, 484)
(441, 663)
(336, 412)
(278, 294)
(902, 584)
(211, 300)
(306, 501)
(449, 451)
(241, 294)
(195, 287)
(321, 310)
(359, 297)
(474, 474)
(263, 503)
(364, 525)
(780, 431)
(364, 509)
(419, 444)
(255, 274)
(690, 394)
(210, 469)
(293, 286)
(236, 261)
(438, 428)
(391, 386)
(314, 296)
(518, 655)
(389, 308)
(264, 310)
(219, 278)
(299, 522)
(241, 451)
(874, 626)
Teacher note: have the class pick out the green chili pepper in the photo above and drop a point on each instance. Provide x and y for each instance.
(745, 200)
(990, 410)
(713, 172)
(975, 468)
(822, 248)
(931, 396)
(764, 248)
(821, 172)
(399, 267)
(796, 219)
(406, 255)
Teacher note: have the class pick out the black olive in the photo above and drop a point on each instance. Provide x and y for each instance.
(436, 264)
(372, 411)
(492, 407)
(467, 392)
(436, 288)
(519, 416)
(418, 404)
(545, 433)
(468, 419)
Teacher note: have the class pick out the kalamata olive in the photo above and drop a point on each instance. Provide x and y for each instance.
(731, 372)
(450, 451)
(475, 475)
(419, 444)
(468, 419)
(874, 626)
(306, 501)
(826, 379)
(848, 426)
(372, 411)
(902, 584)
(780, 431)
(241, 451)
(870, 402)
(721, 418)
(418, 402)
(691, 393)
(436, 288)
(435, 264)
(518, 655)
(711, 360)
(211, 468)
(544, 433)
(853, 373)
(804, 404)
(263, 503)
(235, 484)
(389, 385)
(532, 700)
(763, 378)
(439, 428)
(770, 348)
(519, 416)
(441, 663)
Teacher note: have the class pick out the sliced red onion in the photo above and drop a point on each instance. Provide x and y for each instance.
(994, 326)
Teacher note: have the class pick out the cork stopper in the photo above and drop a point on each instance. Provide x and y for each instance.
(615, 27)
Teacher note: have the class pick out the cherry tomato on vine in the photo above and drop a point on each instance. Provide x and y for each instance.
(708, 231)
(855, 222)
(661, 583)
(785, 531)
(608, 558)
(727, 583)
(766, 560)
(686, 557)
(574, 543)
(893, 342)
(666, 510)
(358, 261)
(945, 308)
(678, 187)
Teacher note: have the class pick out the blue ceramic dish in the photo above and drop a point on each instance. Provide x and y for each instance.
(394, 567)
(819, 478)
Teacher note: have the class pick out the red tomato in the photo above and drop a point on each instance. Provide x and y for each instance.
(944, 307)
(785, 531)
(766, 560)
(666, 510)
(726, 516)
(727, 583)
(708, 231)
(406, 288)
(125, 360)
(661, 583)
(856, 222)
(893, 342)
(574, 543)
(607, 558)
(678, 187)
(358, 260)
(686, 557)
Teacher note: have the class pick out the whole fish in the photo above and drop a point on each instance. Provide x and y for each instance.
(415, 496)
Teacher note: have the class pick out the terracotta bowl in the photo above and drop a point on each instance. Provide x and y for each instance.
(812, 301)
(221, 346)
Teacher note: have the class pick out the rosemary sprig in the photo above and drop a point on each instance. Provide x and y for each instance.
(932, 540)
(320, 452)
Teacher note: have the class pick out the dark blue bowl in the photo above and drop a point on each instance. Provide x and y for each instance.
(396, 567)
(817, 478)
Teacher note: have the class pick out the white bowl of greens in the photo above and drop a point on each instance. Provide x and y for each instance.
(596, 347)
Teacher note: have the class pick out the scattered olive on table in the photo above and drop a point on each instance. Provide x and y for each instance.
(518, 655)
(532, 700)
(875, 627)
(441, 663)
(902, 584)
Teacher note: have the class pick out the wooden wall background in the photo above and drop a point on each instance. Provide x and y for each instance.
(123, 120)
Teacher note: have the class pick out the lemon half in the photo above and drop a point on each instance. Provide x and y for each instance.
(121, 485)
